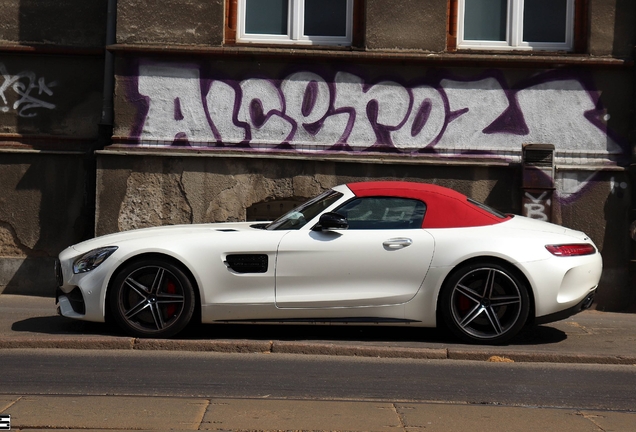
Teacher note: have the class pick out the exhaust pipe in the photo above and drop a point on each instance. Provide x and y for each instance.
(587, 303)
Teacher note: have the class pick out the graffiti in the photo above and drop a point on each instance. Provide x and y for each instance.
(537, 207)
(27, 88)
(307, 112)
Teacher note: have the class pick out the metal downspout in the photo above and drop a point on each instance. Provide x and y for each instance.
(106, 123)
(105, 126)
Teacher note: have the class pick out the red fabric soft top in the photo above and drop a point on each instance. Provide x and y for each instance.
(445, 208)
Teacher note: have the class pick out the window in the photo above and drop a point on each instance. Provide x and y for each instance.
(383, 213)
(320, 22)
(298, 217)
(516, 24)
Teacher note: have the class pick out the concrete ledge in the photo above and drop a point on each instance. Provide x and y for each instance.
(307, 348)
(68, 343)
(225, 346)
(284, 347)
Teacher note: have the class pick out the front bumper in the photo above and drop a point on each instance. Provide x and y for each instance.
(79, 296)
(70, 304)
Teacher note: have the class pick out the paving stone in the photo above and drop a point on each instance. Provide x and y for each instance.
(609, 421)
(275, 415)
(484, 418)
(107, 412)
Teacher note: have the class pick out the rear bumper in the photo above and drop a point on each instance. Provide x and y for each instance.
(558, 316)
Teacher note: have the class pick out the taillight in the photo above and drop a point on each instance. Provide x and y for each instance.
(571, 249)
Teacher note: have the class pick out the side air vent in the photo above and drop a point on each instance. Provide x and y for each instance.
(247, 263)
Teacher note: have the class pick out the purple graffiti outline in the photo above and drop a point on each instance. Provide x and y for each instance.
(594, 115)
(510, 121)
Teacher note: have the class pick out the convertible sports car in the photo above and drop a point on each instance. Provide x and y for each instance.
(389, 253)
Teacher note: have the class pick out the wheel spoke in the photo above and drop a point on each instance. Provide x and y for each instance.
(505, 300)
(156, 315)
(137, 308)
(494, 320)
(139, 288)
(470, 317)
(156, 284)
(468, 292)
(170, 298)
(490, 284)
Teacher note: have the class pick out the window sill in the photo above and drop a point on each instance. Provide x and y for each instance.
(50, 49)
(458, 58)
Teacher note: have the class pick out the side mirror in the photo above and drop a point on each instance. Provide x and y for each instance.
(329, 221)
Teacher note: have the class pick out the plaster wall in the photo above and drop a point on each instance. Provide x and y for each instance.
(406, 25)
(78, 23)
(189, 22)
(612, 30)
(42, 211)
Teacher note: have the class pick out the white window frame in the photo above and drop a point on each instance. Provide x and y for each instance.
(295, 28)
(514, 31)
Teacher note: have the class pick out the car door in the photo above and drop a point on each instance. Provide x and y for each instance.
(381, 259)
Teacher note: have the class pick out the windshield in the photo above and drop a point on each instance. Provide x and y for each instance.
(298, 217)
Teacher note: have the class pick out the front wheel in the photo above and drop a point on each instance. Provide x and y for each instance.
(484, 303)
(152, 298)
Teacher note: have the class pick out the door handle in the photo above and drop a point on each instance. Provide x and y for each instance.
(397, 243)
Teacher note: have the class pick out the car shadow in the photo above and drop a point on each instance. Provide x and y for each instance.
(540, 335)
(408, 336)
(61, 326)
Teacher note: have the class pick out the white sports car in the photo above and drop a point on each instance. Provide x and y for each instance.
(366, 253)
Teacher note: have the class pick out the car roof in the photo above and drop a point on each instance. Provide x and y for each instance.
(445, 208)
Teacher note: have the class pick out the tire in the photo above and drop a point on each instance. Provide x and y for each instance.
(152, 298)
(484, 303)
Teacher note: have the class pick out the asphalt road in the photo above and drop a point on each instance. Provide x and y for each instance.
(157, 373)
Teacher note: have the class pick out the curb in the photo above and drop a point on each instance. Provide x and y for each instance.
(496, 354)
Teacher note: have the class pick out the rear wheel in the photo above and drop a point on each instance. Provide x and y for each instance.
(152, 298)
(484, 303)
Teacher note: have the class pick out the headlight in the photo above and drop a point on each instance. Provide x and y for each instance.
(91, 260)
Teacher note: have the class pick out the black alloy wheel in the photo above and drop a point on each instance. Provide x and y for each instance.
(484, 303)
(152, 298)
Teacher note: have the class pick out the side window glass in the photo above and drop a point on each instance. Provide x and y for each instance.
(383, 213)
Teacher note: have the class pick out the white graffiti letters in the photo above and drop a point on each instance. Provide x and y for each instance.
(24, 85)
(175, 110)
(536, 208)
(307, 112)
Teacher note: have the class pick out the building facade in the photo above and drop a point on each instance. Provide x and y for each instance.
(125, 114)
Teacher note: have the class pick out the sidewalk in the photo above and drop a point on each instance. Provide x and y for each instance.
(589, 337)
(159, 413)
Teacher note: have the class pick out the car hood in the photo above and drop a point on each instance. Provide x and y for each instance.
(528, 224)
(169, 230)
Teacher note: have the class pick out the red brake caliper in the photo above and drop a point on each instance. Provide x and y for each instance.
(464, 304)
(170, 308)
